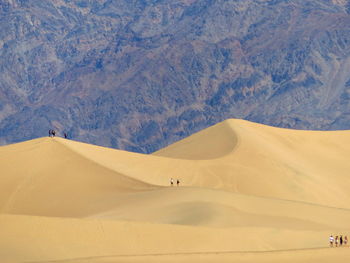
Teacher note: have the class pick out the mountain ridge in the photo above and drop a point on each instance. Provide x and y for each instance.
(139, 75)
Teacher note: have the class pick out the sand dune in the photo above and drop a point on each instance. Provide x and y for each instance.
(248, 193)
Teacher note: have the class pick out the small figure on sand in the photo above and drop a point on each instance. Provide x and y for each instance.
(331, 240)
(177, 182)
(171, 181)
(52, 133)
(345, 240)
(341, 240)
(336, 241)
(65, 135)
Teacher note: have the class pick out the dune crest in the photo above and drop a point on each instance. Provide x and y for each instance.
(213, 142)
(245, 191)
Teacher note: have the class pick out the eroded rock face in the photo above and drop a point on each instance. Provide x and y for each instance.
(138, 75)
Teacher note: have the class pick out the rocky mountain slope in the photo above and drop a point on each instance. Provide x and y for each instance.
(140, 74)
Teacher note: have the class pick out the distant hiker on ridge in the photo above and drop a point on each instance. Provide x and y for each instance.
(171, 181)
(65, 135)
(52, 133)
(177, 182)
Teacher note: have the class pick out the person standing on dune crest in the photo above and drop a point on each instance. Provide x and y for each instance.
(171, 181)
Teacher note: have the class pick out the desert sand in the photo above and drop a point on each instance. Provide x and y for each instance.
(248, 193)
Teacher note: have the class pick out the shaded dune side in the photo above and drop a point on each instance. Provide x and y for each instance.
(44, 177)
(309, 166)
(214, 208)
(213, 142)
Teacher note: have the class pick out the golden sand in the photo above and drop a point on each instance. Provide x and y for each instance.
(248, 193)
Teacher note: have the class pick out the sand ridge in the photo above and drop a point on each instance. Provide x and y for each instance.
(245, 189)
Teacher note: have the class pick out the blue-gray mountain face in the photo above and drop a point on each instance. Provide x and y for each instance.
(140, 74)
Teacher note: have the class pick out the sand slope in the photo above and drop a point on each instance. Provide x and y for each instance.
(248, 193)
(310, 166)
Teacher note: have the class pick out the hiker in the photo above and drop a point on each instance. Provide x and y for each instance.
(171, 181)
(331, 240)
(65, 135)
(177, 182)
(53, 133)
(341, 240)
(336, 241)
(345, 240)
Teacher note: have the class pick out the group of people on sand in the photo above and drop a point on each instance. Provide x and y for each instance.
(172, 182)
(338, 240)
(52, 133)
